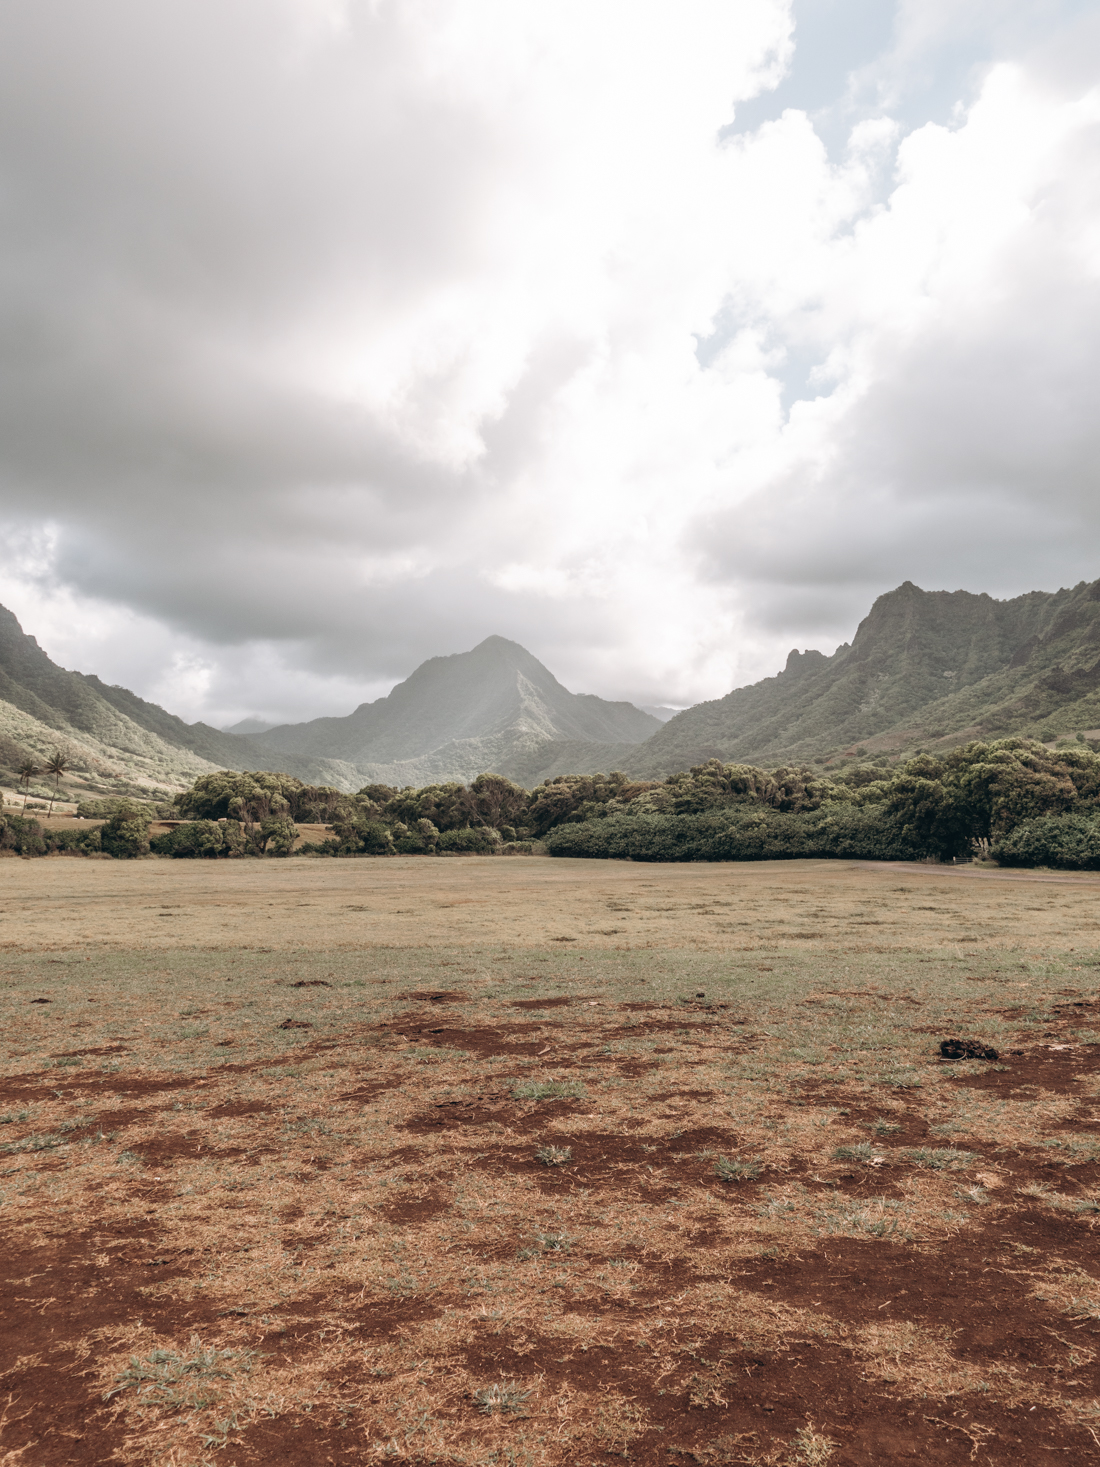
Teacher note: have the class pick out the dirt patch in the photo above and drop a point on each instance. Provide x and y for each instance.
(435, 995)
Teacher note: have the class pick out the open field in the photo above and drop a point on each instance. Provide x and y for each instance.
(518, 1161)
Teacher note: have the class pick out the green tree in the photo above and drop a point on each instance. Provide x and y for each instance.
(56, 765)
(125, 835)
(277, 835)
(28, 770)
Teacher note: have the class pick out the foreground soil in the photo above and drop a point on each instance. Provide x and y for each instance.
(334, 1162)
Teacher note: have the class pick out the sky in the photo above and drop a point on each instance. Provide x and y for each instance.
(658, 337)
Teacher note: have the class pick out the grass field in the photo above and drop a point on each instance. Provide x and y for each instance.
(518, 1161)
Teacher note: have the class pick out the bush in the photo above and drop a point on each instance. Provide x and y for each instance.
(277, 835)
(476, 840)
(205, 838)
(118, 805)
(125, 836)
(84, 842)
(742, 834)
(1069, 842)
(22, 836)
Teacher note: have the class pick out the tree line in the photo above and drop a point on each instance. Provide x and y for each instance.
(1013, 799)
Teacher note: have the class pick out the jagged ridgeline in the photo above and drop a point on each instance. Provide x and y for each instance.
(926, 669)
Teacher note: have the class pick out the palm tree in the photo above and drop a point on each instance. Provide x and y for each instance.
(28, 770)
(56, 765)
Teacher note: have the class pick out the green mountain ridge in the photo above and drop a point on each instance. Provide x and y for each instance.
(926, 669)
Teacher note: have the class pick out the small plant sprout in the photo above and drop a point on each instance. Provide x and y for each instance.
(882, 1127)
(504, 1395)
(554, 1155)
(737, 1171)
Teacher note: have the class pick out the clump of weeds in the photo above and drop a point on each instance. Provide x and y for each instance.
(503, 1395)
(727, 1170)
(554, 1155)
(180, 1381)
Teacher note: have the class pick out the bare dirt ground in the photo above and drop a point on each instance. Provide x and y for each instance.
(523, 1161)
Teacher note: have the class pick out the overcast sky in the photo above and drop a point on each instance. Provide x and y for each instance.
(659, 337)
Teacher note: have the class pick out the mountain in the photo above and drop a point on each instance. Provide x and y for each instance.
(494, 708)
(925, 669)
(119, 743)
(249, 726)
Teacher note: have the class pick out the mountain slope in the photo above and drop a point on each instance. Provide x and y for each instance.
(493, 708)
(924, 668)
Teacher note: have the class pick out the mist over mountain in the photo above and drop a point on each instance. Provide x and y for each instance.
(925, 669)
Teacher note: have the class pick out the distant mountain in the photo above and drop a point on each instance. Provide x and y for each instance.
(661, 714)
(925, 669)
(494, 708)
(249, 726)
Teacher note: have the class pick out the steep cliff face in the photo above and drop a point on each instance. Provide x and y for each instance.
(924, 667)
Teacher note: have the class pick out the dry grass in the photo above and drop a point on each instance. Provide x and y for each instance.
(292, 1197)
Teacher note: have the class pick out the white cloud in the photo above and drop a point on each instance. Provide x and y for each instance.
(342, 335)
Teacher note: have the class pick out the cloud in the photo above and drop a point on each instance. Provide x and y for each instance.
(334, 336)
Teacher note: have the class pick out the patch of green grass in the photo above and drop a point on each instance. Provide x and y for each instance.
(174, 1381)
(548, 1090)
(882, 1127)
(1074, 1149)
(504, 1395)
(15, 1117)
(554, 1155)
(35, 1143)
(727, 1170)
(861, 1151)
(939, 1159)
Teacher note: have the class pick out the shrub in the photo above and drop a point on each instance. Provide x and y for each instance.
(206, 838)
(125, 836)
(477, 840)
(85, 842)
(22, 836)
(117, 805)
(195, 839)
(743, 834)
(1069, 842)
